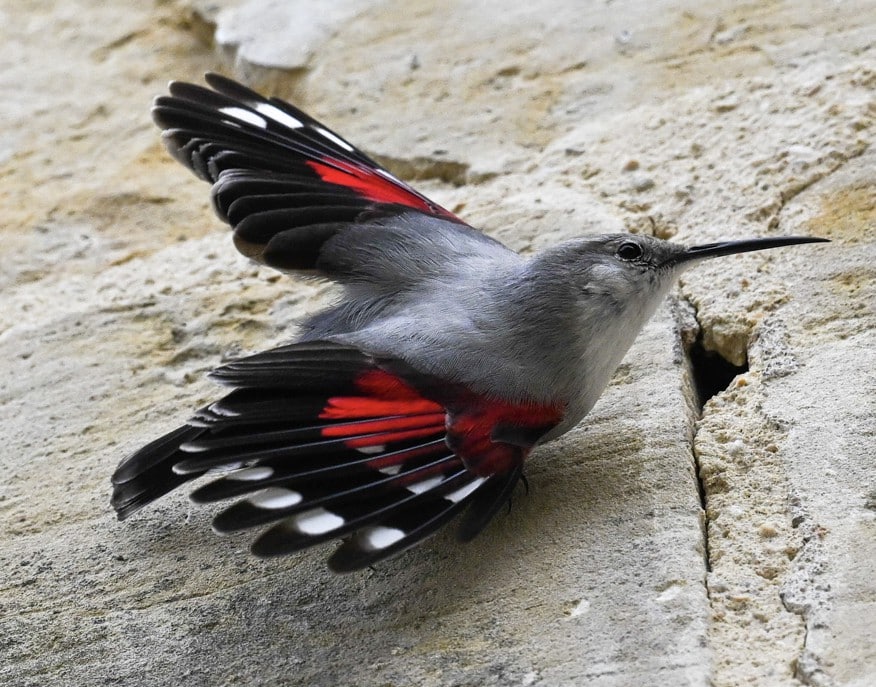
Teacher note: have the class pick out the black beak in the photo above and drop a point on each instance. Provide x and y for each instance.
(714, 250)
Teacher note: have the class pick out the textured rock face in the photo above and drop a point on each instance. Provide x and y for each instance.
(690, 120)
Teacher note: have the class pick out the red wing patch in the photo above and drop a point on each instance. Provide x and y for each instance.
(383, 394)
(371, 184)
(472, 433)
(388, 409)
(391, 409)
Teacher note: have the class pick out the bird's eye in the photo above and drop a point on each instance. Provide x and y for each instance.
(629, 251)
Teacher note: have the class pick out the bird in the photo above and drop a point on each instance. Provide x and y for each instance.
(416, 397)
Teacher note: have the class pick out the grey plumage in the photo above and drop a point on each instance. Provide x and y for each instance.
(421, 391)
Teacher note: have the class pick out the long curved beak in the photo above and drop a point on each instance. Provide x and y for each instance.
(714, 250)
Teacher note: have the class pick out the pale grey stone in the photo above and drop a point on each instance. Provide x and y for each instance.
(120, 290)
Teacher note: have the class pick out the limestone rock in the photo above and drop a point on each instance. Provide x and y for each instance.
(120, 290)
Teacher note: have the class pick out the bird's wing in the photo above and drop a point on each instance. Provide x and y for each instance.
(286, 183)
(319, 441)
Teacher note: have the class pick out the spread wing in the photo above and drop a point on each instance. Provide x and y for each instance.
(319, 441)
(286, 183)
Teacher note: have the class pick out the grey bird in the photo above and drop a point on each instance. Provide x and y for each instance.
(420, 393)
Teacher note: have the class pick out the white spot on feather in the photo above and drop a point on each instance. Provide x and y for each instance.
(369, 450)
(220, 410)
(245, 116)
(380, 537)
(252, 474)
(425, 485)
(334, 139)
(317, 521)
(390, 469)
(460, 494)
(225, 469)
(278, 115)
(275, 497)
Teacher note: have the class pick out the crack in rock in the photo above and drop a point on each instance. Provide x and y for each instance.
(804, 595)
(801, 593)
(690, 334)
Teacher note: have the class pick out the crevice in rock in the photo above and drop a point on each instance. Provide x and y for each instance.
(710, 371)
(710, 374)
(690, 337)
(701, 492)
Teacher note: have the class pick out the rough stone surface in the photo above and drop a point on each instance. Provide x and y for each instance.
(694, 120)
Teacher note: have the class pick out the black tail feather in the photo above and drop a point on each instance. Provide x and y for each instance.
(148, 474)
(486, 502)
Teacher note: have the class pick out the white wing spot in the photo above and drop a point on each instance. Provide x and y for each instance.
(390, 469)
(317, 521)
(224, 412)
(460, 494)
(251, 474)
(380, 537)
(225, 469)
(368, 450)
(425, 485)
(245, 116)
(275, 497)
(335, 139)
(278, 115)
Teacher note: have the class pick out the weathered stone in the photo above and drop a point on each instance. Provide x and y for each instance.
(120, 289)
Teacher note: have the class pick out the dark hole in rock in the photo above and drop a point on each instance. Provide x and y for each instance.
(712, 373)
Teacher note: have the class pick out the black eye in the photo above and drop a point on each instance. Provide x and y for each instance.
(629, 251)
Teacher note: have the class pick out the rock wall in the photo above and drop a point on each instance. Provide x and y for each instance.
(659, 544)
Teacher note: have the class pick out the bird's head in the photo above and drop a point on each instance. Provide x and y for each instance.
(616, 272)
